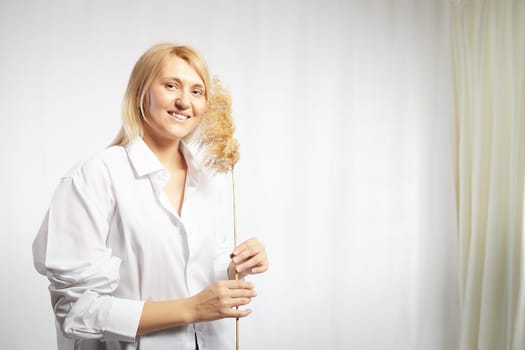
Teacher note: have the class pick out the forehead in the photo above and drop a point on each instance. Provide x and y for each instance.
(175, 67)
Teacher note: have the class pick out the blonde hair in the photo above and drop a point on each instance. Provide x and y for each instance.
(145, 71)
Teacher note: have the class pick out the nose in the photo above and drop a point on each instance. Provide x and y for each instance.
(182, 101)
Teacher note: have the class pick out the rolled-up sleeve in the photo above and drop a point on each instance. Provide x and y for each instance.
(70, 249)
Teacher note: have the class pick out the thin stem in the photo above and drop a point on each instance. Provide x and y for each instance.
(235, 246)
(234, 213)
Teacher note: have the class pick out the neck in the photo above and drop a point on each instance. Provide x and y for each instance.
(167, 152)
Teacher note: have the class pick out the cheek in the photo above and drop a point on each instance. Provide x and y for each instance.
(200, 108)
(156, 99)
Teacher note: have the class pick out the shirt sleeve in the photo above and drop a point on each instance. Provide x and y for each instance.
(70, 250)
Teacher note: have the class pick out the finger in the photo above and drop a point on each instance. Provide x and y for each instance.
(248, 252)
(246, 244)
(249, 264)
(234, 304)
(241, 313)
(243, 293)
(235, 312)
(253, 270)
(259, 269)
(258, 262)
(238, 302)
(239, 284)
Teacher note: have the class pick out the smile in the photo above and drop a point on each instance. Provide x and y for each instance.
(178, 116)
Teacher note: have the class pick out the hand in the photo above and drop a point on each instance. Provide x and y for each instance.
(249, 258)
(222, 299)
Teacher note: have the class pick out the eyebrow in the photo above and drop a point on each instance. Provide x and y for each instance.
(178, 80)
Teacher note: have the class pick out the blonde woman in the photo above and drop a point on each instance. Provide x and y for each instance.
(131, 242)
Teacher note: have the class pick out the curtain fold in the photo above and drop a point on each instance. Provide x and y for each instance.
(488, 50)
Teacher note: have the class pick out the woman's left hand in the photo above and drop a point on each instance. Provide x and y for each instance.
(248, 258)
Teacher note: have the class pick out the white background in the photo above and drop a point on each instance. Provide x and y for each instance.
(343, 111)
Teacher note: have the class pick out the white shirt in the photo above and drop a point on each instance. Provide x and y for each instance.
(112, 240)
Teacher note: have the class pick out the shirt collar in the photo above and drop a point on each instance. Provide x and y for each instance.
(145, 162)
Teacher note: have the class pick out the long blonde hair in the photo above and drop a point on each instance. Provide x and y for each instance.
(145, 71)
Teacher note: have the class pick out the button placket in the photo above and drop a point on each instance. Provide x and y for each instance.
(189, 212)
(159, 180)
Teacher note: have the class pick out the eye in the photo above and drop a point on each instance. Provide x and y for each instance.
(171, 86)
(197, 92)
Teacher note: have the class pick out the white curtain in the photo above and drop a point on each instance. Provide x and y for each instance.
(344, 115)
(489, 65)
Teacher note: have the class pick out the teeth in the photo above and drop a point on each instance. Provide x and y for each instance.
(180, 117)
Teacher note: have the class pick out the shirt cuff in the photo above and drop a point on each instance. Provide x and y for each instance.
(123, 320)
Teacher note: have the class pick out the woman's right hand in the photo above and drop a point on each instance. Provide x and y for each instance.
(221, 300)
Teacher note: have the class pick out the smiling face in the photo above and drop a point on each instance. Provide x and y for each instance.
(174, 103)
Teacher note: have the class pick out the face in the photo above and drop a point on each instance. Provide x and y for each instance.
(174, 103)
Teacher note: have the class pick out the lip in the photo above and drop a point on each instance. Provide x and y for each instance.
(176, 116)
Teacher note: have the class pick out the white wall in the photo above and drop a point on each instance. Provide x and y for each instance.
(343, 112)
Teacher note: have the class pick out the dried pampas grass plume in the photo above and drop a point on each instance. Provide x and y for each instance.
(221, 148)
(216, 131)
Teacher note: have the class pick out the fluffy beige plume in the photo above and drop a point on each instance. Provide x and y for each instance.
(221, 148)
(216, 131)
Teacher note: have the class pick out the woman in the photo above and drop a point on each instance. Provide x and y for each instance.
(131, 242)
